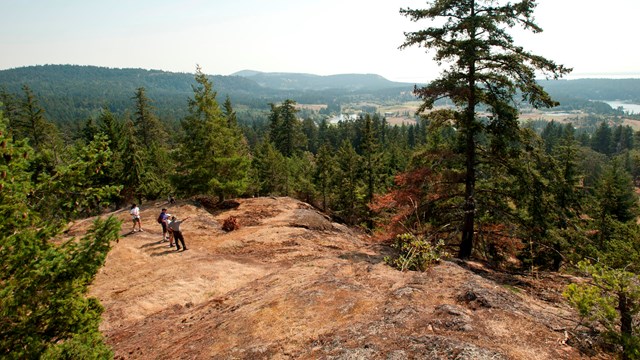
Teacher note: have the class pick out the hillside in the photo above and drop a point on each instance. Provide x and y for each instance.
(69, 93)
(291, 284)
(595, 89)
(72, 93)
(297, 81)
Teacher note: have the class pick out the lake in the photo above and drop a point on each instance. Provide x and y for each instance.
(632, 108)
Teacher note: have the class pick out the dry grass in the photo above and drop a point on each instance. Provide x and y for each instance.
(291, 284)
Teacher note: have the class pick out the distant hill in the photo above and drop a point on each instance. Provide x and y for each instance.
(72, 93)
(300, 81)
(595, 89)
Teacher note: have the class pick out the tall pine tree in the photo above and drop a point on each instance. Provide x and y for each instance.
(213, 157)
(286, 129)
(486, 68)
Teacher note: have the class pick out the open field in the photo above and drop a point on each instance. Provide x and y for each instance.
(314, 107)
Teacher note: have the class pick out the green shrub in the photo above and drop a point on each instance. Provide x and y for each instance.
(609, 302)
(416, 252)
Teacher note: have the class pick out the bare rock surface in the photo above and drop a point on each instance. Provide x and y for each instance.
(291, 284)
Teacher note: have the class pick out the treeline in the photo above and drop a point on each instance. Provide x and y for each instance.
(281, 154)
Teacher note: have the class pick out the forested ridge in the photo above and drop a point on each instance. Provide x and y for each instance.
(72, 93)
(469, 179)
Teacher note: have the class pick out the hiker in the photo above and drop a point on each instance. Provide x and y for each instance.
(162, 220)
(177, 234)
(135, 216)
(169, 229)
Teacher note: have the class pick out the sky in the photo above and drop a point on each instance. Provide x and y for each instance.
(322, 37)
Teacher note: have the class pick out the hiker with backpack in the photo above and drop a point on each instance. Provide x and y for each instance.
(162, 220)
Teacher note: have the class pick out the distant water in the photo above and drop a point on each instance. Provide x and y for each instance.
(627, 107)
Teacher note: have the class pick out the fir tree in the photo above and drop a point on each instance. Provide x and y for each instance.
(157, 165)
(149, 130)
(348, 184)
(213, 157)
(601, 140)
(44, 308)
(270, 169)
(486, 67)
(229, 113)
(43, 136)
(325, 167)
(133, 163)
(286, 129)
(301, 169)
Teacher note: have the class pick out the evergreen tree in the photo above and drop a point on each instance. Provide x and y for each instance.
(533, 175)
(44, 308)
(592, 164)
(634, 164)
(301, 168)
(270, 169)
(149, 130)
(132, 160)
(566, 155)
(622, 138)
(286, 129)
(81, 185)
(310, 130)
(601, 140)
(32, 125)
(89, 131)
(609, 301)
(229, 113)
(372, 164)
(325, 136)
(213, 158)
(486, 68)
(10, 106)
(157, 165)
(551, 135)
(348, 184)
(111, 127)
(616, 195)
(324, 173)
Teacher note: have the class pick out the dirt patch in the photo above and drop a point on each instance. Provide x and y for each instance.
(294, 285)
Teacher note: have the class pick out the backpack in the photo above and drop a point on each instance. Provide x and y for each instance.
(160, 219)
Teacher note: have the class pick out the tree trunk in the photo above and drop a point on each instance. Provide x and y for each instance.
(626, 323)
(469, 207)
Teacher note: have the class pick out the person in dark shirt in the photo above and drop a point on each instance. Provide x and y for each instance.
(162, 219)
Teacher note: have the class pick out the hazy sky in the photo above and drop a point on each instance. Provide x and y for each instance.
(314, 36)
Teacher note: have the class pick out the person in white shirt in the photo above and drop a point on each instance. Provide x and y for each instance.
(135, 216)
